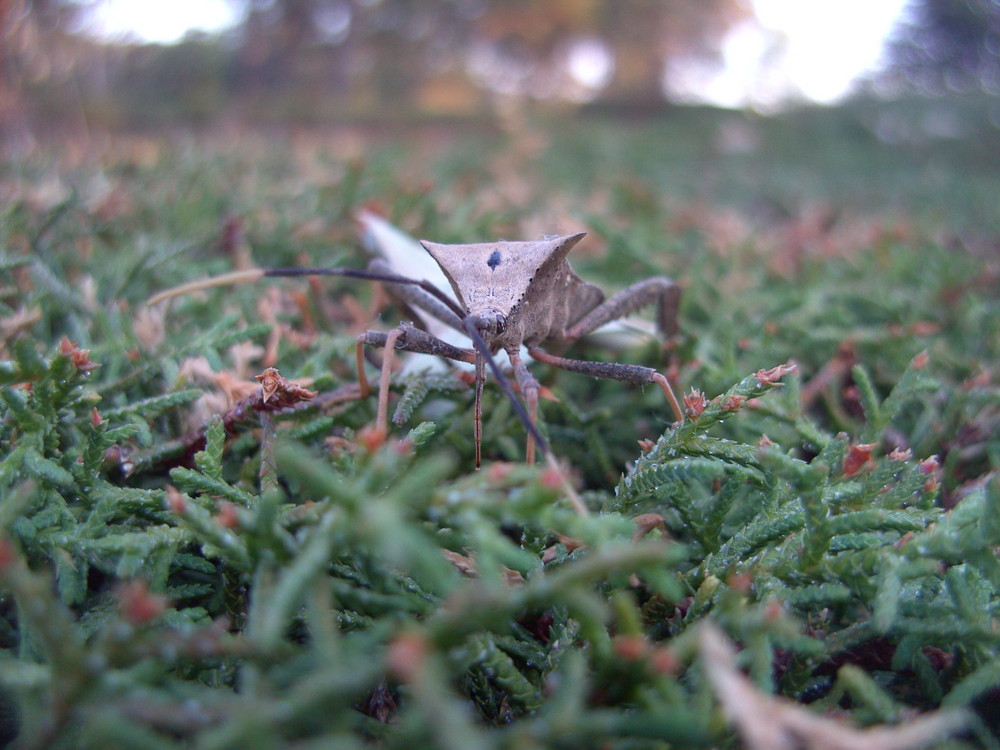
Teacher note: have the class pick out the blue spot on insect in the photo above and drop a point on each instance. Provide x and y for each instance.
(494, 260)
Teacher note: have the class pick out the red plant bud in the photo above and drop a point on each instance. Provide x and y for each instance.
(137, 605)
(664, 661)
(552, 478)
(740, 582)
(175, 500)
(81, 357)
(930, 465)
(8, 555)
(227, 517)
(773, 610)
(858, 455)
(630, 647)
(772, 376)
(499, 471)
(734, 403)
(695, 403)
(932, 468)
(924, 328)
(371, 438)
(405, 656)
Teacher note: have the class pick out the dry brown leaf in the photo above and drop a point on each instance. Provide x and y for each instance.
(466, 565)
(17, 322)
(148, 326)
(242, 354)
(766, 722)
(549, 553)
(280, 393)
(645, 523)
(196, 370)
(234, 388)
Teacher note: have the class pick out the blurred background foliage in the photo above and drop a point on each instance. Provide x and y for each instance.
(317, 61)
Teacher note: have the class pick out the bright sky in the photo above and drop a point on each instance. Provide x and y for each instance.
(810, 49)
(160, 20)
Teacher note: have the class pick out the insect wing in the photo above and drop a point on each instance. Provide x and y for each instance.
(403, 255)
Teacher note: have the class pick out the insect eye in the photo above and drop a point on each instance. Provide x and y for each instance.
(492, 324)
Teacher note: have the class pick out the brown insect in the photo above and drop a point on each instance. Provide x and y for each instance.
(510, 294)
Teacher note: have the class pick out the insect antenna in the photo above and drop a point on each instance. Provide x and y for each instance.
(256, 274)
(358, 273)
(225, 279)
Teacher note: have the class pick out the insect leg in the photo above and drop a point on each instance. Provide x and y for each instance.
(666, 293)
(477, 422)
(359, 354)
(411, 339)
(404, 338)
(471, 325)
(382, 412)
(636, 374)
(528, 385)
(416, 340)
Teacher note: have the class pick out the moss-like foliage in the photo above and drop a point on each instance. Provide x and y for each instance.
(186, 564)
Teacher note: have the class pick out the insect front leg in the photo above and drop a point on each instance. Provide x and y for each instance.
(404, 338)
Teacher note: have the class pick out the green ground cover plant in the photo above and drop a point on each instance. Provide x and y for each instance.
(808, 560)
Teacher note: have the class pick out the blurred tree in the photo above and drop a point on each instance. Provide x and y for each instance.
(386, 51)
(36, 47)
(379, 52)
(317, 60)
(188, 77)
(645, 34)
(944, 44)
